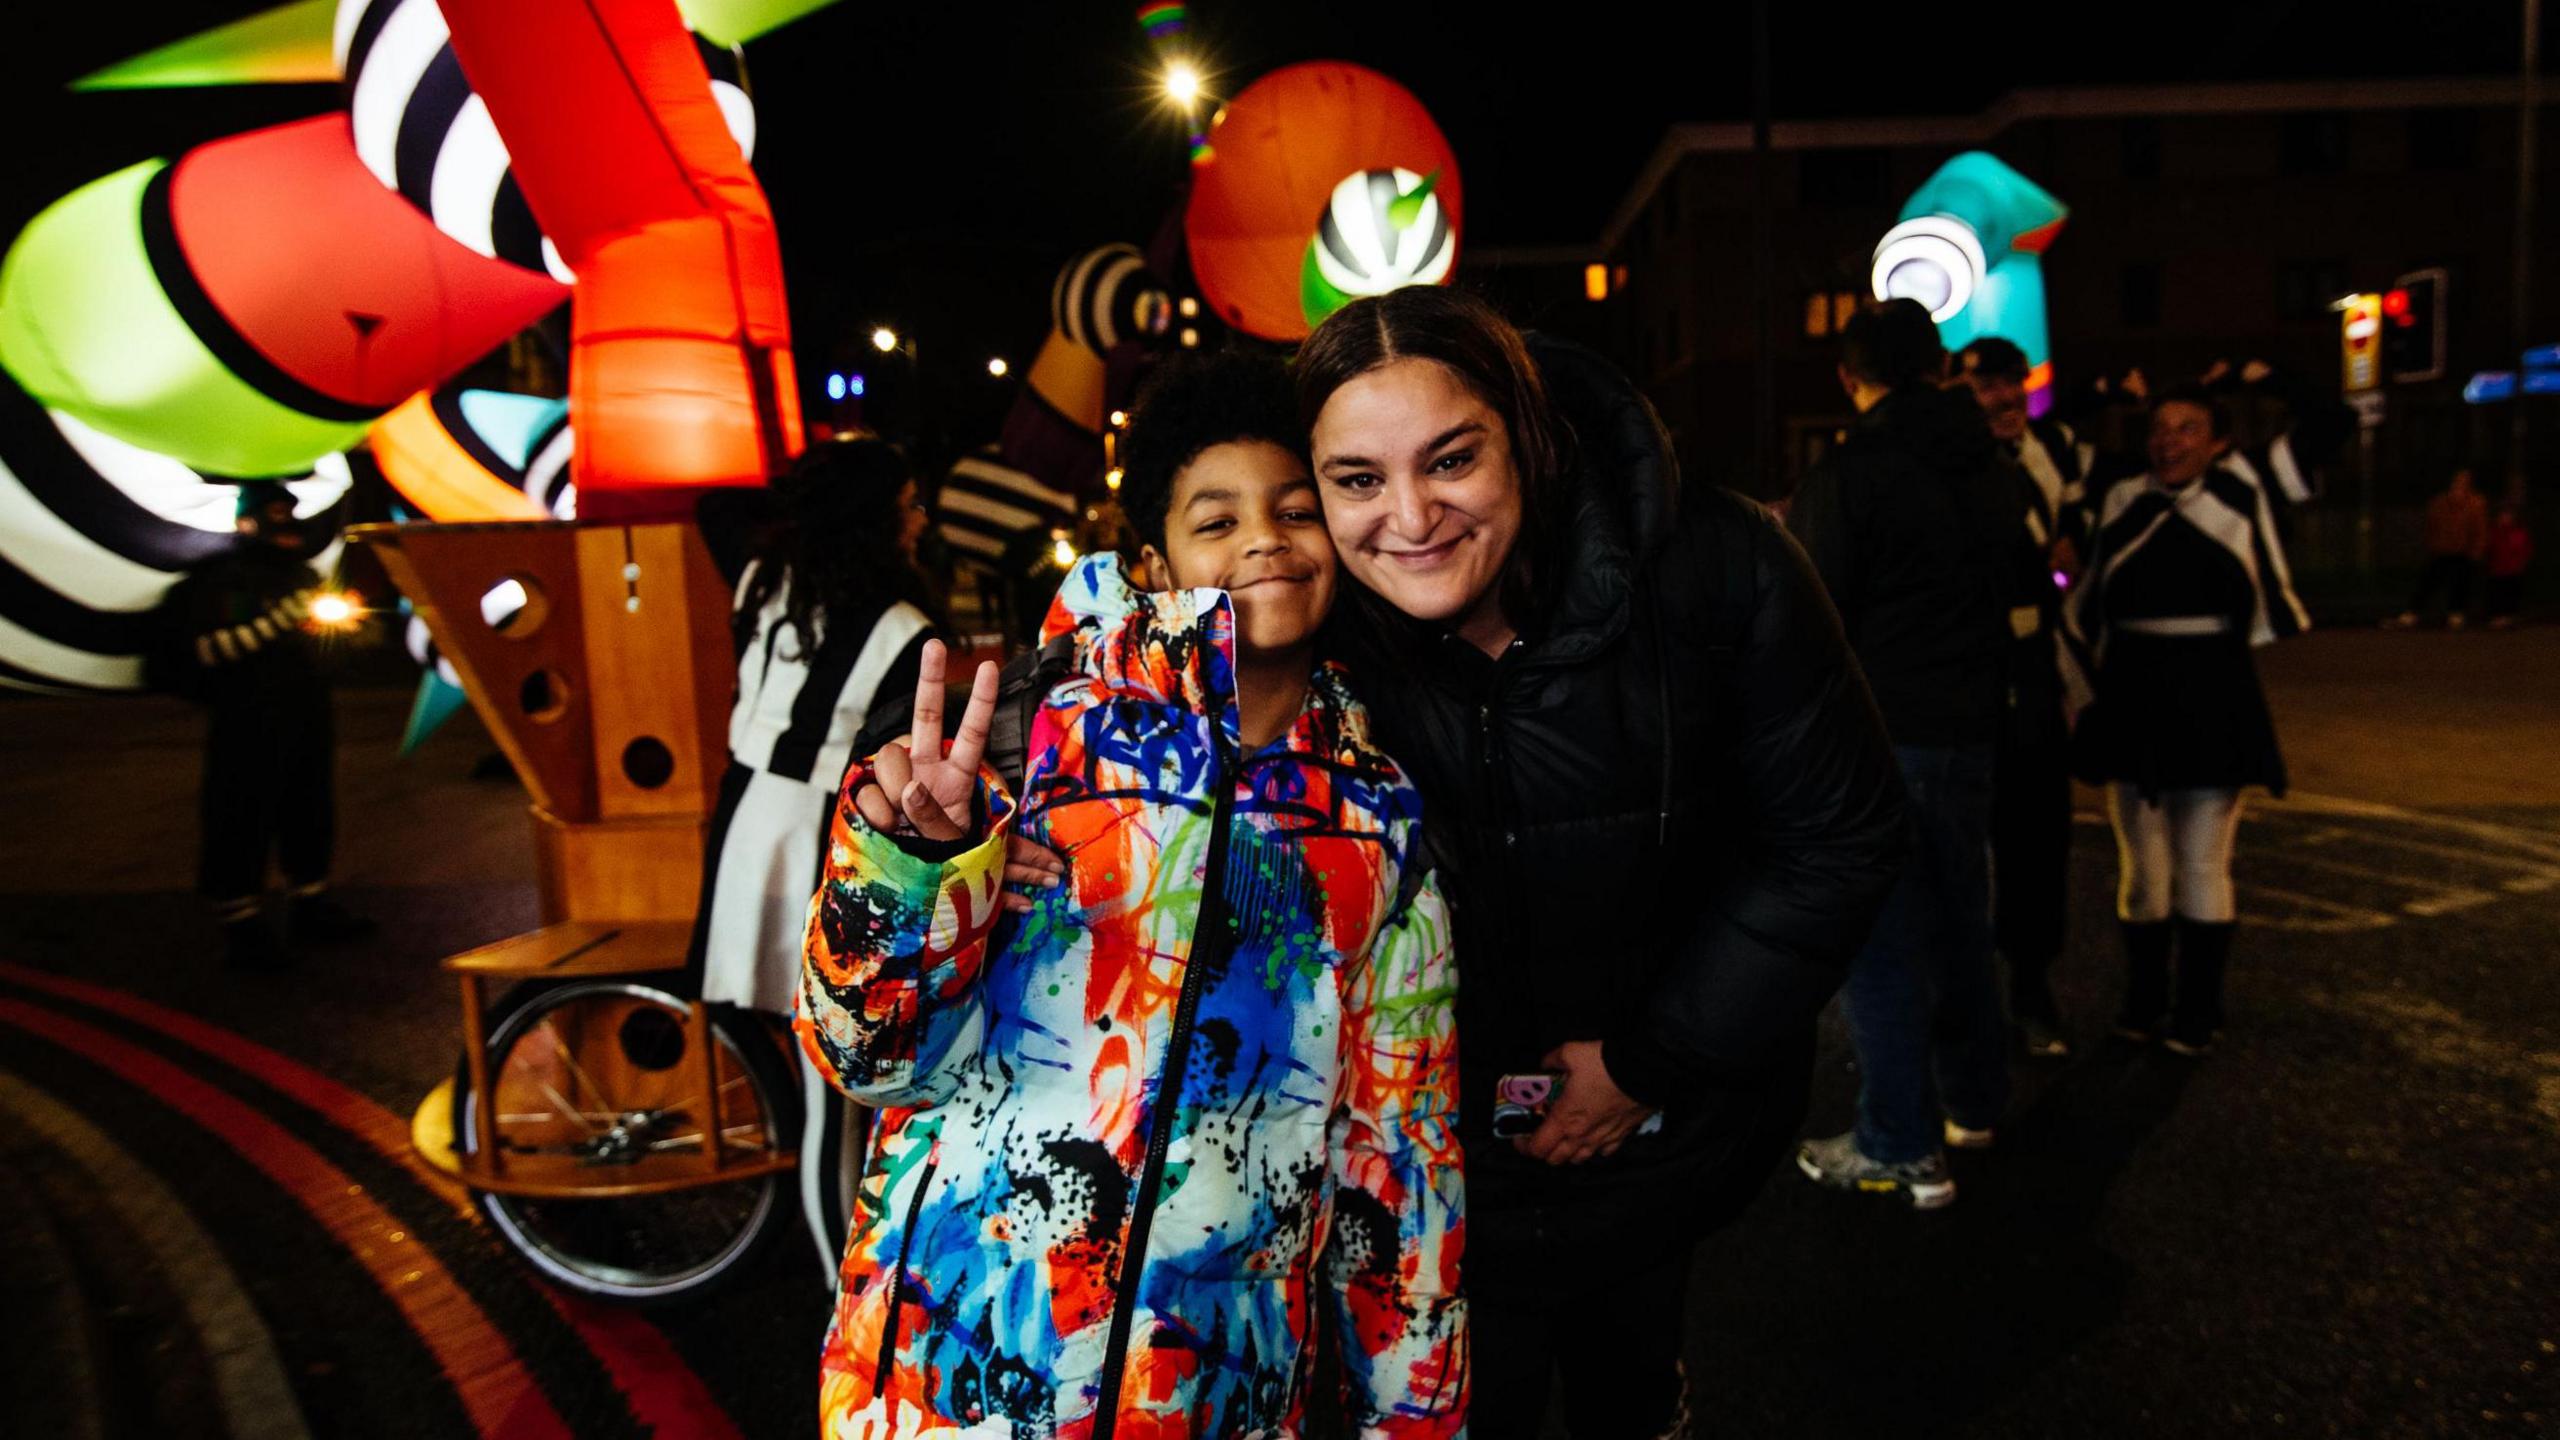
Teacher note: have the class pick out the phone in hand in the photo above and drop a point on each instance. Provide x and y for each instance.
(1520, 1103)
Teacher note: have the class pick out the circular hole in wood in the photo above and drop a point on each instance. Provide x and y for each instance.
(544, 696)
(516, 606)
(652, 1039)
(648, 762)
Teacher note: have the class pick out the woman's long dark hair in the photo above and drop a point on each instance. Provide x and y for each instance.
(1487, 353)
(833, 548)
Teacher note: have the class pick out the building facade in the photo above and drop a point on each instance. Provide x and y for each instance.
(2207, 222)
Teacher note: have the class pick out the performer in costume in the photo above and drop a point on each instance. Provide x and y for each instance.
(2031, 780)
(831, 615)
(2186, 574)
(233, 634)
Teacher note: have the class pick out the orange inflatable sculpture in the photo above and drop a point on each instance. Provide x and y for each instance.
(1297, 153)
(680, 374)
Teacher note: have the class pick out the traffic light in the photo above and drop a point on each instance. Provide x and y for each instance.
(2413, 326)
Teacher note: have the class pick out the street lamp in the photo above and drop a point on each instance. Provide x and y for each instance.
(884, 339)
(997, 367)
(1182, 84)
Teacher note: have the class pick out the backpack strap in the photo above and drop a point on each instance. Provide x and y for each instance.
(1025, 682)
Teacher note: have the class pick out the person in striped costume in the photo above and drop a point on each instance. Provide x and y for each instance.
(830, 621)
(2186, 574)
(235, 635)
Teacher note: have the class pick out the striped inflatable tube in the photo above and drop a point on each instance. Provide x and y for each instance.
(423, 132)
(94, 532)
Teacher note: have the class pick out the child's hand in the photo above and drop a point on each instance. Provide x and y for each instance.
(933, 790)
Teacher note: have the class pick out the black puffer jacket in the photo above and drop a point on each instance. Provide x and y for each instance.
(1912, 524)
(1665, 819)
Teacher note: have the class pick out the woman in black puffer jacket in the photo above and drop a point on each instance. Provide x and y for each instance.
(1661, 800)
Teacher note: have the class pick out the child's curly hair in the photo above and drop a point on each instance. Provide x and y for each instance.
(1190, 405)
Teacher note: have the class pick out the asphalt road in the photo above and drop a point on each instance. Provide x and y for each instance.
(2342, 1223)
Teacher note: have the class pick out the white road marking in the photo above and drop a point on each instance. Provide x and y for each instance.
(256, 1401)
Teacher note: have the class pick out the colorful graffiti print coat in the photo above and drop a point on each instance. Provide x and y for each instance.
(1131, 1142)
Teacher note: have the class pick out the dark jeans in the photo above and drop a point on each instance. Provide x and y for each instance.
(1610, 1337)
(2031, 855)
(2450, 574)
(270, 759)
(1923, 998)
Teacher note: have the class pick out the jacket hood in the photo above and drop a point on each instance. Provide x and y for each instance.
(1178, 647)
(1625, 485)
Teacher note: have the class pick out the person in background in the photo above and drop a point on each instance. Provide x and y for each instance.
(830, 617)
(2510, 550)
(1912, 524)
(236, 635)
(2031, 773)
(2457, 539)
(2186, 573)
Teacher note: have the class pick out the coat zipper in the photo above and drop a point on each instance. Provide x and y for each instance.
(1213, 936)
(898, 1281)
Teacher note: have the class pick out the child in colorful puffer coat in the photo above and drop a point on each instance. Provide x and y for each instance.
(1136, 1137)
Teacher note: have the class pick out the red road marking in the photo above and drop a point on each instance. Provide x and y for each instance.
(661, 1388)
(496, 1390)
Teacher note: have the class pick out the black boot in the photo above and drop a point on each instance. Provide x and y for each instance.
(2204, 952)
(2146, 979)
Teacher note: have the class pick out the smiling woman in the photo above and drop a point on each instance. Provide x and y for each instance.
(1660, 797)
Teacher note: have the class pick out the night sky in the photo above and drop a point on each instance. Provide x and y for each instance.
(932, 164)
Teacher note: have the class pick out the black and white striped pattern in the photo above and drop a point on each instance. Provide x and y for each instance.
(1360, 250)
(2228, 508)
(791, 737)
(421, 130)
(986, 505)
(94, 532)
(1107, 296)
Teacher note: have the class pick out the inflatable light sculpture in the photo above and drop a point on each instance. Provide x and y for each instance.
(1324, 181)
(170, 335)
(1970, 246)
(1050, 451)
(680, 371)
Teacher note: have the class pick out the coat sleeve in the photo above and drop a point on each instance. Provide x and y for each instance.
(897, 939)
(1391, 1261)
(1811, 782)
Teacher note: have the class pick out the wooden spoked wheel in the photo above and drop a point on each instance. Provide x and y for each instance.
(600, 1135)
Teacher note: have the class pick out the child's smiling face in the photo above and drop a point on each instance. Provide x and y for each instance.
(1244, 519)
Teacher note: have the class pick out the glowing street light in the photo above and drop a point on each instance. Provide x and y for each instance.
(997, 367)
(884, 339)
(1182, 83)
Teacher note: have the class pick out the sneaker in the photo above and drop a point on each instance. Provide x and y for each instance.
(1964, 1137)
(2456, 620)
(2041, 1040)
(1836, 1163)
(319, 920)
(2190, 1040)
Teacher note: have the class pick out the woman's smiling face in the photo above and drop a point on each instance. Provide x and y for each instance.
(1420, 490)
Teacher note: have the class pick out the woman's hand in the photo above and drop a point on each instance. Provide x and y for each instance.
(1593, 1117)
(933, 790)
